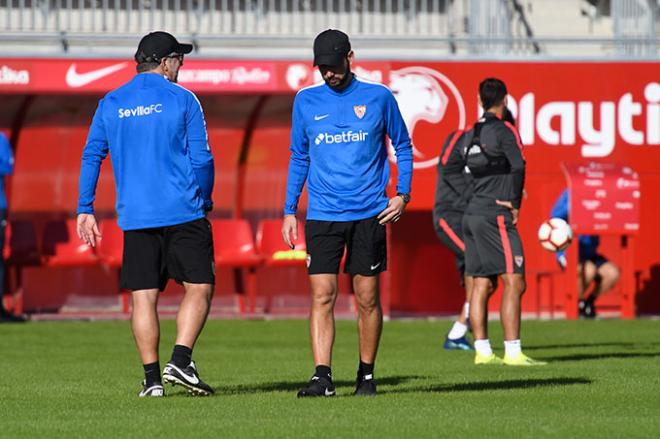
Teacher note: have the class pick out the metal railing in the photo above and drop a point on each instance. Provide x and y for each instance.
(636, 19)
(229, 17)
(439, 27)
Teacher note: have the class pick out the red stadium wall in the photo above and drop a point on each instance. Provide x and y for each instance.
(561, 109)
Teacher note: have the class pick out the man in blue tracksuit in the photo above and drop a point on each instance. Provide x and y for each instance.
(155, 132)
(6, 168)
(592, 266)
(338, 145)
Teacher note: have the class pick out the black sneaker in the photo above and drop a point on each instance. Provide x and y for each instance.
(587, 309)
(318, 386)
(365, 386)
(188, 378)
(155, 389)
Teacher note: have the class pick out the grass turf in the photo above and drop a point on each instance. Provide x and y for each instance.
(81, 379)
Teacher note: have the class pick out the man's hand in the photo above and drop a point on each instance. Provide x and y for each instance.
(508, 205)
(393, 211)
(289, 229)
(87, 229)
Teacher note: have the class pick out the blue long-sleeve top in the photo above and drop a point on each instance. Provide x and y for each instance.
(163, 167)
(339, 146)
(6, 167)
(588, 243)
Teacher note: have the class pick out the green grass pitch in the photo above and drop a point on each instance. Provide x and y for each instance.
(81, 379)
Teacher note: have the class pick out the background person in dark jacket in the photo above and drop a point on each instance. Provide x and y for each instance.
(493, 247)
(6, 168)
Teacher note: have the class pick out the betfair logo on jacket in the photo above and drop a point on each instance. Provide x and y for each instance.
(342, 137)
(141, 110)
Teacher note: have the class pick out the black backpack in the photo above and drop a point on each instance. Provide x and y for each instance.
(477, 158)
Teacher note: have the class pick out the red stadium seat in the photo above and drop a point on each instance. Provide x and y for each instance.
(234, 248)
(110, 252)
(62, 247)
(275, 252)
(110, 249)
(272, 247)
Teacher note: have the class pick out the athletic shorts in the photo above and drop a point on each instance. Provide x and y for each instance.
(449, 229)
(492, 246)
(364, 240)
(597, 259)
(183, 252)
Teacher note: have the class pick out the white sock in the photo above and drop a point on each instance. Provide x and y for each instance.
(466, 308)
(511, 348)
(483, 348)
(457, 331)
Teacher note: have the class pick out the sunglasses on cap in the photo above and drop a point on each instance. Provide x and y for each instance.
(178, 56)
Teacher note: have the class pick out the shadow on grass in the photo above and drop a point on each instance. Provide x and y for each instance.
(294, 386)
(583, 357)
(494, 385)
(591, 345)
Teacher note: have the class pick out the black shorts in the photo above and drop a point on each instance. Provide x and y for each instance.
(449, 228)
(365, 242)
(183, 252)
(492, 246)
(597, 259)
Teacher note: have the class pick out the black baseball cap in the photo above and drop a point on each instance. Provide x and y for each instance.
(331, 47)
(156, 45)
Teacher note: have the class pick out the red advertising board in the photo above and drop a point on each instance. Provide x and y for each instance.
(566, 112)
(604, 198)
(102, 75)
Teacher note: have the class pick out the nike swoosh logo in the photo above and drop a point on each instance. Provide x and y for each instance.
(373, 267)
(329, 392)
(191, 378)
(321, 117)
(75, 79)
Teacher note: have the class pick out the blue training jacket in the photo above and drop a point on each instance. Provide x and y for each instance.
(588, 243)
(6, 167)
(338, 145)
(163, 166)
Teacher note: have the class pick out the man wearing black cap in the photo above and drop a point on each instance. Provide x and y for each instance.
(339, 147)
(155, 132)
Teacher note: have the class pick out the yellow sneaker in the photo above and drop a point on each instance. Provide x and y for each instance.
(490, 359)
(522, 360)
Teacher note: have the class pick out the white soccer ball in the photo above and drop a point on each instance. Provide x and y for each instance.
(555, 234)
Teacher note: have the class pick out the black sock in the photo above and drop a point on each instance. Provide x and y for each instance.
(181, 356)
(365, 369)
(152, 373)
(323, 372)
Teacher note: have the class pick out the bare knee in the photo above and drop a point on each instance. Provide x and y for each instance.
(323, 295)
(482, 287)
(366, 293)
(145, 298)
(514, 284)
(367, 302)
(609, 274)
(199, 290)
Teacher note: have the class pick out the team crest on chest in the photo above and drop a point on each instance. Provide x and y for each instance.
(360, 110)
